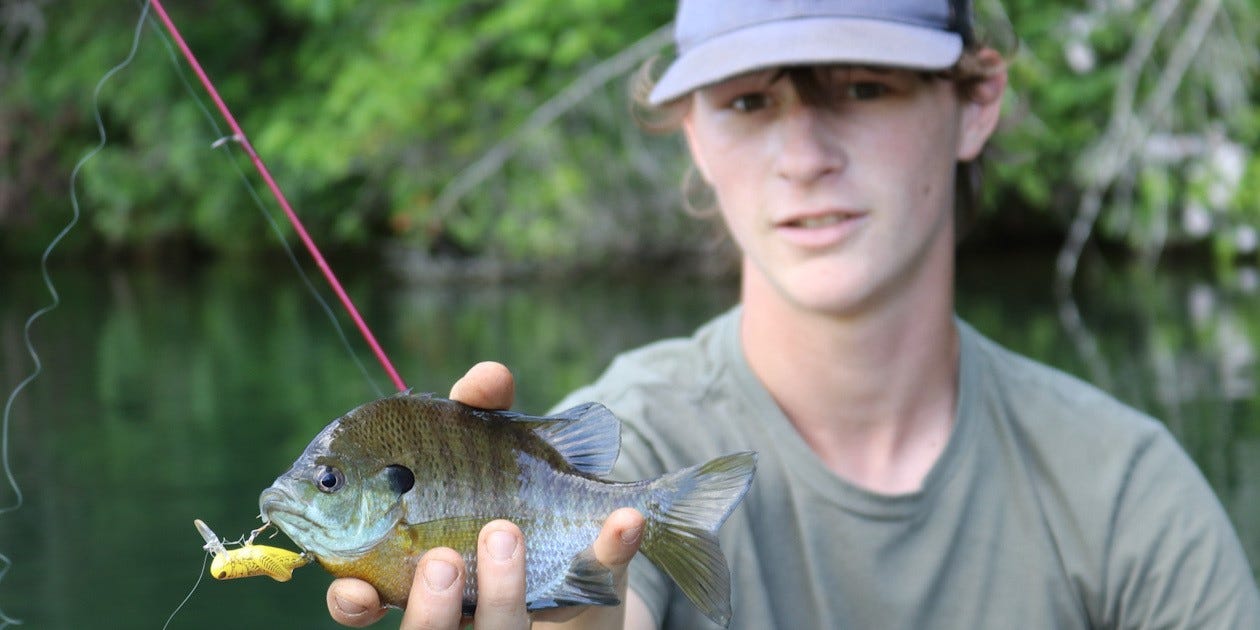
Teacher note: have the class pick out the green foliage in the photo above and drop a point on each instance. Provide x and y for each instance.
(362, 111)
(1099, 105)
(366, 111)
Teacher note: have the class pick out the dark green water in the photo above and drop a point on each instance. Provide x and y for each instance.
(169, 397)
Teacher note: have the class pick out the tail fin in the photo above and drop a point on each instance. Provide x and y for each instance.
(680, 538)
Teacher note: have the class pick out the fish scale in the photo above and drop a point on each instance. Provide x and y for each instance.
(384, 483)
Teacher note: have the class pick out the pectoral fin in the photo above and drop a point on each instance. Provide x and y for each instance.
(457, 532)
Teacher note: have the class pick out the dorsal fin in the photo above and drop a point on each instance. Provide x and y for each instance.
(588, 436)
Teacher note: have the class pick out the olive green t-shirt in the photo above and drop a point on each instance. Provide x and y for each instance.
(1052, 506)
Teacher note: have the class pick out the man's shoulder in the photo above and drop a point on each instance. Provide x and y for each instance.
(675, 367)
(1046, 399)
(1088, 456)
(681, 400)
(1117, 482)
(1066, 435)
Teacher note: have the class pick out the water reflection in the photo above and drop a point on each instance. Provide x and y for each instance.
(173, 396)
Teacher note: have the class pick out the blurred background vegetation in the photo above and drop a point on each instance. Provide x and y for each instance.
(500, 130)
(456, 132)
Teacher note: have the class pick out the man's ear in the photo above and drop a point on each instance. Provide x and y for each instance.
(982, 107)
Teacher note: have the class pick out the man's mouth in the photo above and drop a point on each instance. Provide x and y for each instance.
(819, 229)
(817, 221)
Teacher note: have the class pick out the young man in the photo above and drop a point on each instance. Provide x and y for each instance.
(911, 473)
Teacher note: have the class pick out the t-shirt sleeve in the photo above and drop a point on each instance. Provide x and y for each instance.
(1173, 560)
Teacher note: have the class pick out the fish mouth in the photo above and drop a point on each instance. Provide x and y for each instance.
(281, 508)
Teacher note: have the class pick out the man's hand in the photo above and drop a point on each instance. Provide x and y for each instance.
(436, 593)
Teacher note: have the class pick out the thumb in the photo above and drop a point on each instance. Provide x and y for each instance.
(487, 385)
(619, 540)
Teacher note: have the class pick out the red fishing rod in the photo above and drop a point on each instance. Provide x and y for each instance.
(239, 136)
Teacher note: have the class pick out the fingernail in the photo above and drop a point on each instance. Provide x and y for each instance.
(439, 575)
(349, 607)
(502, 545)
(631, 536)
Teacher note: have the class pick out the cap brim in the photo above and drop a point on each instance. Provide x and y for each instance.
(807, 42)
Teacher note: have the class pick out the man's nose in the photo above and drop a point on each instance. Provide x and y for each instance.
(810, 146)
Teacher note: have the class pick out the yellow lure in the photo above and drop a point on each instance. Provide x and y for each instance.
(249, 559)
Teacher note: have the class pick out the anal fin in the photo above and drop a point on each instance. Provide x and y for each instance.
(588, 583)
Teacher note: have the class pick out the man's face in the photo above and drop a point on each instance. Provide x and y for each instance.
(843, 199)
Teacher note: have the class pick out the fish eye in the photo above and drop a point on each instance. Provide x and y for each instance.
(329, 479)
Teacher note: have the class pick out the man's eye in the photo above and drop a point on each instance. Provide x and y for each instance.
(750, 102)
(865, 90)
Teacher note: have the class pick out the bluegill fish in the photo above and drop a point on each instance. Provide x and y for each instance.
(395, 477)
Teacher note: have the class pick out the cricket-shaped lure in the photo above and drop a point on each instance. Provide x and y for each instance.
(249, 559)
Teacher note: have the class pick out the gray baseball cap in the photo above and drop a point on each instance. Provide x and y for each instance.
(718, 39)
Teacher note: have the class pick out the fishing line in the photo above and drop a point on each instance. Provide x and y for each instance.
(201, 574)
(262, 207)
(5, 562)
(289, 213)
(275, 229)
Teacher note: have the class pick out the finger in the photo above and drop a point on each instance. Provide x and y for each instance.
(437, 592)
(354, 603)
(501, 578)
(488, 385)
(619, 540)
